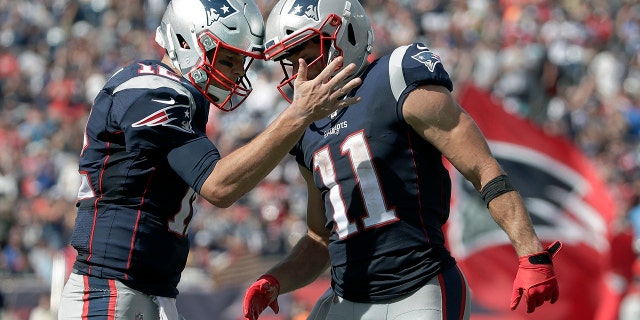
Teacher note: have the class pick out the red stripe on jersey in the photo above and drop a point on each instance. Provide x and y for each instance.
(415, 168)
(139, 214)
(95, 205)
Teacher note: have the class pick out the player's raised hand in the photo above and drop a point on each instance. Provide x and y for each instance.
(319, 97)
(261, 294)
(536, 280)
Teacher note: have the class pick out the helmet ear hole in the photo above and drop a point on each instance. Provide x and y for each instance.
(183, 43)
(351, 34)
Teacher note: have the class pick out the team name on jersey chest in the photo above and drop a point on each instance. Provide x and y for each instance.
(335, 129)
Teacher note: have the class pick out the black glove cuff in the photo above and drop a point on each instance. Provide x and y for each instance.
(541, 258)
(545, 257)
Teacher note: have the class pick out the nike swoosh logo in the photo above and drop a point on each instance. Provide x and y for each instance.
(169, 102)
(421, 47)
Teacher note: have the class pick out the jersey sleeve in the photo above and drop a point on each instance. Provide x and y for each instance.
(194, 161)
(415, 65)
(154, 113)
(423, 66)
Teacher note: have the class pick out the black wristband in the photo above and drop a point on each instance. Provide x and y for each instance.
(496, 187)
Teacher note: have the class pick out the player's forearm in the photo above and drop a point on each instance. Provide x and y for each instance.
(511, 215)
(307, 260)
(240, 171)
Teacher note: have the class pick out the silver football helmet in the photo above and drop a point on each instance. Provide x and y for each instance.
(342, 24)
(206, 25)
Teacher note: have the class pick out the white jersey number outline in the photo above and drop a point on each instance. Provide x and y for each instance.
(357, 149)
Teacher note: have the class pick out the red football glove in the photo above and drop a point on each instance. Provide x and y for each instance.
(261, 294)
(536, 280)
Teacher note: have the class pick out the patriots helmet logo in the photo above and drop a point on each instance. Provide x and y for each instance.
(428, 58)
(217, 9)
(306, 8)
(175, 116)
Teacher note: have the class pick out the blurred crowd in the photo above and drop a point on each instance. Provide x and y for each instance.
(572, 67)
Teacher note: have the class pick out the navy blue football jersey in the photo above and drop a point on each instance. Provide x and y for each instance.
(385, 189)
(145, 155)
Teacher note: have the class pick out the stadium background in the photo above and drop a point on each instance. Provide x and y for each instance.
(570, 68)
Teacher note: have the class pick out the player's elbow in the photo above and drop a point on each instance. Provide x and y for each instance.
(221, 201)
(223, 204)
(221, 197)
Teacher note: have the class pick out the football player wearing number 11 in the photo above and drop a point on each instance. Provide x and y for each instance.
(378, 192)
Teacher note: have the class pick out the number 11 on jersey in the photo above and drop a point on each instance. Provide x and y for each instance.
(355, 147)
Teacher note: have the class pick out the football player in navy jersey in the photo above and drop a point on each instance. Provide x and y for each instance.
(378, 192)
(146, 156)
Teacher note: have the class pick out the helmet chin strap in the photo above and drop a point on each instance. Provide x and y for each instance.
(219, 94)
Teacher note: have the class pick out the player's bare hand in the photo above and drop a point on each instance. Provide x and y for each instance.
(319, 97)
